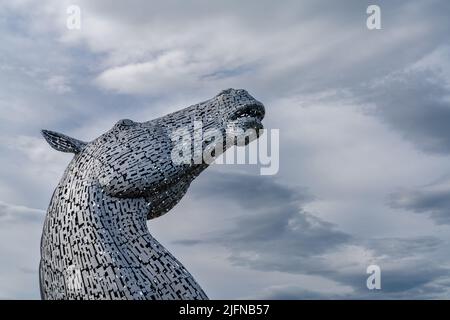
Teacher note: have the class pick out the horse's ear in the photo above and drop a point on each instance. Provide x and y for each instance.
(63, 143)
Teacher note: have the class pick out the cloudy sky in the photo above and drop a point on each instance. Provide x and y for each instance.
(364, 136)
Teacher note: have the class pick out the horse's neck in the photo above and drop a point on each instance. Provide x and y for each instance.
(97, 246)
(82, 216)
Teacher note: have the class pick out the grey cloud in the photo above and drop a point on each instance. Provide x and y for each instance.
(20, 229)
(435, 290)
(401, 278)
(416, 278)
(416, 103)
(292, 292)
(252, 191)
(279, 235)
(272, 221)
(432, 199)
(396, 248)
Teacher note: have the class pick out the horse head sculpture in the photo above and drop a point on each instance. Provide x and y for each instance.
(95, 242)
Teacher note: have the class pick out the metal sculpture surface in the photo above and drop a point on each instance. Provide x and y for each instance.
(95, 242)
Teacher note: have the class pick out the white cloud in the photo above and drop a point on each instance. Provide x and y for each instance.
(168, 72)
(59, 84)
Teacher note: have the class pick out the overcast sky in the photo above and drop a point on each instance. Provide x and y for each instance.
(364, 120)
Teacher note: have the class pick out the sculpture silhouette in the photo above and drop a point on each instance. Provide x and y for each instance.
(95, 242)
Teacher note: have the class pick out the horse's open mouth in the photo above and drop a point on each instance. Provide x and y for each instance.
(248, 116)
(244, 124)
